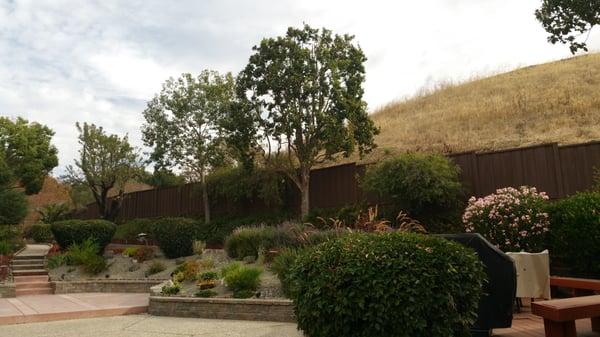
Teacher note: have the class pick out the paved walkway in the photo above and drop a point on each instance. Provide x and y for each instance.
(34, 250)
(43, 308)
(151, 326)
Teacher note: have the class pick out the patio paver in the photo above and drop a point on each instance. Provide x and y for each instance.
(43, 308)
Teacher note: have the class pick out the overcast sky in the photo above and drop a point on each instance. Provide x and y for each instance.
(100, 61)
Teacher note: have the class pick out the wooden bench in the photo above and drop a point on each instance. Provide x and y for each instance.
(579, 286)
(560, 315)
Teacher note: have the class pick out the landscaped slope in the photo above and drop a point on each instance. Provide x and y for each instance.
(553, 102)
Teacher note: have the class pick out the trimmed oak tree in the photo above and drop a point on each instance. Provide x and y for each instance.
(301, 98)
(568, 20)
(183, 126)
(26, 158)
(106, 163)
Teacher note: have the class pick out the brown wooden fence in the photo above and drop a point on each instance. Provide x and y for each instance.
(558, 170)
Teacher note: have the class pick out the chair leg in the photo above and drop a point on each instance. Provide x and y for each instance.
(596, 324)
(559, 329)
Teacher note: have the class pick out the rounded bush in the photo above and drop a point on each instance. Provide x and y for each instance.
(176, 236)
(575, 233)
(512, 219)
(427, 186)
(40, 232)
(130, 229)
(69, 232)
(391, 284)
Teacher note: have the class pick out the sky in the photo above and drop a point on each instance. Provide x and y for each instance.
(100, 61)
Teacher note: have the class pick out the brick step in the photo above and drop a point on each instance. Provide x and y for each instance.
(30, 272)
(32, 278)
(28, 257)
(35, 291)
(32, 285)
(28, 267)
(27, 261)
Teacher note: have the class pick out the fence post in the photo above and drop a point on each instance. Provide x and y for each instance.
(558, 171)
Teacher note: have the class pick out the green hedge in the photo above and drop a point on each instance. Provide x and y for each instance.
(392, 284)
(175, 236)
(575, 233)
(40, 232)
(69, 232)
(130, 229)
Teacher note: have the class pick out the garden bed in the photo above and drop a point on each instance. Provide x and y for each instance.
(223, 308)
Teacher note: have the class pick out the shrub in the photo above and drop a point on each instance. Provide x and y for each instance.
(56, 261)
(390, 284)
(143, 254)
(40, 232)
(129, 230)
(86, 255)
(281, 266)
(247, 241)
(205, 293)
(13, 206)
(199, 247)
(94, 265)
(54, 212)
(11, 236)
(5, 248)
(70, 232)
(319, 217)
(427, 186)
(575, 233)
(241, 279)
(130, 251)
(512, 219)
(208, 275)
(175, 236)
(155, 268)
(170, 290)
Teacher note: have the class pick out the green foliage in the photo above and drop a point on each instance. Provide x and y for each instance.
(130, 229)
(319, 217)
(391, 284)
(40, 232)
(56, 260)
(70, 232)
(575, 233)
(13, 206)
(237, 183)
(170, 290)
(281, 266)
(205, 293)
(130, 251)
(11, 236)
(183, 125)
(423, 185)
(155, 268)
(567, 20)
(86, 254)
(242, 280)
(175, 236)
(199, 247)
(27, 152)
(5, 247)
(208, 276)
(106, 162)
(304, 90)
(54, 212)
(162, 178)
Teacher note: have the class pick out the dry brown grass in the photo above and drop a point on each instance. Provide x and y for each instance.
(553, 102)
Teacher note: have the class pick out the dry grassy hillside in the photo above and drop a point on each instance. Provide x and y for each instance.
(553, 102)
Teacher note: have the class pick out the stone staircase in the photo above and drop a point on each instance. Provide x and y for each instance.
(30, 275)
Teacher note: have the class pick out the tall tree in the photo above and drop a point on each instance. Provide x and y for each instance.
(183, 125)
(26, 158)
(301, 98)
(567, 20)
(106, 162)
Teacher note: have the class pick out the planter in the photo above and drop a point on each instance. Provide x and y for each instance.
(223, 308)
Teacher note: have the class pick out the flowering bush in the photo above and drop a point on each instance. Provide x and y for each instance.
(512, 219)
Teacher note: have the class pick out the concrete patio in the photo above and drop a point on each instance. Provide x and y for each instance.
(43, 308)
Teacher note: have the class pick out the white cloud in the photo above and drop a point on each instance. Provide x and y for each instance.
(100, 61)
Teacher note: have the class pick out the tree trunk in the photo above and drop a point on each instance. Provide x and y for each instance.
(205, 200)
(304, 192)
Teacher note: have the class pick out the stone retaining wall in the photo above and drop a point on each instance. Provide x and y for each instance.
(223, 308)
(104, 286)
(7, 290)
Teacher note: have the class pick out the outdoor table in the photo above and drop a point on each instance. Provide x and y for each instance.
(533, 274)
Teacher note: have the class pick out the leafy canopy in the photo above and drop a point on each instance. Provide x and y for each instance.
(182, 122)
(567, 20)
(105, 162)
